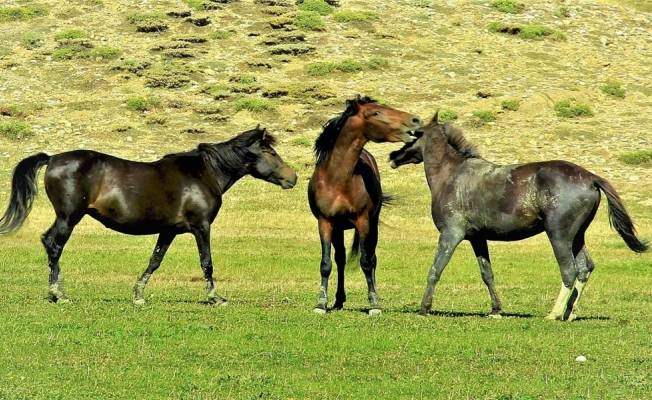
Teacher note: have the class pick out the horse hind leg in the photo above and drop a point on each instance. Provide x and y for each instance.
(162, 245)
(340, 260)
(54, 240)
(368, 262)
(481, 251)
(585, 266)
(566, 259)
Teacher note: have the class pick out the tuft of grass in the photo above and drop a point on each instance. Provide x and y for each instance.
(70, 34)
(318, 6)
(446, 115)
(32, 40)
(68, 53)
(508, 6)
(325, 68)
(215, 35)
(15, 130)
(563, 12)
(8, 14)
(141, 17)
(512, 105)
(348, 65)
(309, 21)
(354, 16)
(301, 141)
(244, 80)
(636, 157)
(156, 120)
(214, 89)
(377, 63)
(254, 105)
(421, 3)
(570, 109)
(13, 111)
(142, 103)
(539, 32)
(106, 52)
(485, 115)
(614, 88)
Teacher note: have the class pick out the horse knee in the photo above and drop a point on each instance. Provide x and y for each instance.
(325, 267)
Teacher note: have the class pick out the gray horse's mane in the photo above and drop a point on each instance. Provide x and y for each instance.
(458, 142)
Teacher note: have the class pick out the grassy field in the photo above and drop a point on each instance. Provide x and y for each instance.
(268, 344)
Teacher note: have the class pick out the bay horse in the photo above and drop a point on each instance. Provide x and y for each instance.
(344, 191)
(180, 193)
(476, 200)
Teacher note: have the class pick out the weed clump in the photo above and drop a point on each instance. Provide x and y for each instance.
(301, 141)
(508, 6)
(446, 115)
(485, 115)
(8, 14)
(563, 12)
(535, 32)
(16, 130)
(318, 6)
(512, 105)
(570, 109)
(309, 21)
(354, 16)
(70, 34)
(615, 89)
(32, 40)
(142, 103)
(377, 63)
(13, 111)
(106, 52)
(636, 157)
(255, 105)
(168, 76)
(218, 35)
(325, 68)
(214, 90)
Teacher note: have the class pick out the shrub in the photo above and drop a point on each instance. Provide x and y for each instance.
(15, 130)
(508, 6)
(446, 115)
(354, 16)
(253, 105)
(562, 12)
(32, 40)
(321, 68)
(310, 21)
(318, 6)
(140, 17)
(12, 111)
(142, 103)
(570, 109)
(348, 66)
(70, 34)
(485, 115)
(539, 32)
(613, 88)
(21, 13)
(106, 52)
(512, 105)
(636, 157)
(304, 142)
(68, 53)
(378, 63)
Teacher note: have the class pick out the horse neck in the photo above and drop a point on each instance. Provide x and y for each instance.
(227, 179)
(345, 154)
(438, 158)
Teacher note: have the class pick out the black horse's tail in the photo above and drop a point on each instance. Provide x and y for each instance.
(618, 217)
(387, 200)
(23, 191)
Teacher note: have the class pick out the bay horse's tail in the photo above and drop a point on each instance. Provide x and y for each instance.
(618, 217)
(23, 191)
(387, 200)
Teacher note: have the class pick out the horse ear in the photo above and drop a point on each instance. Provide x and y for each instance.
(258, 127)
(264, 132)
(435, 118)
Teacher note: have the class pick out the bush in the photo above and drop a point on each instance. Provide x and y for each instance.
(446, 116)
(142, 103)
(348, 66)
(32, 40)
(321, 68)
(254, 105)
(140, 17)
(12, 111)
(318, 6)
(310, 21)
(570, 109)
(15, 130)
(303, 142)
(512, 105)
(614, 88)
(106, 52)
(485, 115)
(21, 13)
(508, 6)
(353, 16)
(540, 31)
(636, 157)
(378, 63)
(70, 34)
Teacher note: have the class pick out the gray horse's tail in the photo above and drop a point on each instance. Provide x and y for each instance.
(23, 191)
(618, 217)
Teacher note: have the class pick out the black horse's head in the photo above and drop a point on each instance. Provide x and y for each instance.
(412, 153)
(268, 165)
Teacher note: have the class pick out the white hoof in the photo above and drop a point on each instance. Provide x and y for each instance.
(319, 311)
(223, 304)
(62, 300)
(375, 312)
(495, 316)
(139, 302)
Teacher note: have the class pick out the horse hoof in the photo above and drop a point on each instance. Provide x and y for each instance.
(217, 301)
(62, 300)
(139, 302)
(374, 312)
(319, 311)
(571, 317)
(552, 317)
(495, 316)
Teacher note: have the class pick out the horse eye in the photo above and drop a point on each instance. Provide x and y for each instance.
(376, 113)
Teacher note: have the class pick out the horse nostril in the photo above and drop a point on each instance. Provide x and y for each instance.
(417, 121)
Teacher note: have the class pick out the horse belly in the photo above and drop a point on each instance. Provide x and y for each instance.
(511, 229)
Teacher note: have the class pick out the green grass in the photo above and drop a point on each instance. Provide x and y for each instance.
(446, 116)
(15, 130)
(508, 6)
(12, 110)
(570, 109)
(8, 14)
(318, 6)
(218, 35)
(142, 103)
(512, 105)
(614, 88)
(142, 17)
(301, 142)
(354, 16)
(636, 157)
(421, 3)
(563, 12)
(105, 52)
(32, 40)
(485, 115)
(70, 34)
(325, 68)
(255, 105)
(377, 63)
(309, 21)
(531, 32)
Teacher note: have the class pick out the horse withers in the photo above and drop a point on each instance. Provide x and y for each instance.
(476, 200)
(345, 192)
(180, 193)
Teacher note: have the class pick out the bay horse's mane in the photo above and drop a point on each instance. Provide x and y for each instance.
(325, 142)
(458, 142)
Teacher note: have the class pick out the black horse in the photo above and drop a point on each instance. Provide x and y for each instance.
(177, 194)
(477, 200)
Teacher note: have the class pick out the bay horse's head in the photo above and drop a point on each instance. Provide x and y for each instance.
(412, 153)
(268, 165)
(381, 123)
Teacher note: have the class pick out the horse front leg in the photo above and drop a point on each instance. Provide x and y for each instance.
(368, 231)
(203, 238)
(481, 251)
(162, 244)
(326, 266)
(340, 261)
(448, 242)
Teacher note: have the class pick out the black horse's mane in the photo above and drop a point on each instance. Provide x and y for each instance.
(325, 142)
(458, 142)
